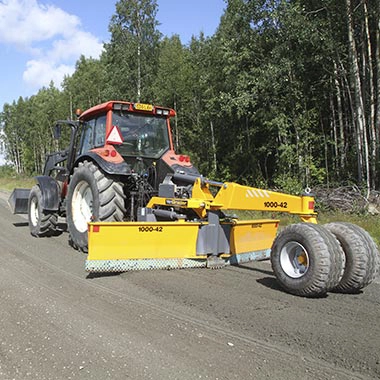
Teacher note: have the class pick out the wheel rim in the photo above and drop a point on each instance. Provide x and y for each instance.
(82, 206)
(33, 212)
(294, 259)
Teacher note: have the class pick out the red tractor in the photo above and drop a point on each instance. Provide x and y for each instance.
(119, 154)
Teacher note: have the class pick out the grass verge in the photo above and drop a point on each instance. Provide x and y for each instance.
(9, 183)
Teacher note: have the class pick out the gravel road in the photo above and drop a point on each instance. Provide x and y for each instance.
(57, 322)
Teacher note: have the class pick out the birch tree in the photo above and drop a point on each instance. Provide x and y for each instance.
(132, 54)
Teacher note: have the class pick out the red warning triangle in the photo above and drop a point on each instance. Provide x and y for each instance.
(114, 137)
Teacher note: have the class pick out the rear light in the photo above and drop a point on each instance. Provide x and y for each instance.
(311, 205)
(108, 152)
(184, 158)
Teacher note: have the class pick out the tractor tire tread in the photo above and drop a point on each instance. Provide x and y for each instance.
(48, 221)
(111, 200)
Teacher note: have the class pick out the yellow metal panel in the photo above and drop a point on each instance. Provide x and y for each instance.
(201, 192)
(253, 235)
(134, 240)
(237, 197)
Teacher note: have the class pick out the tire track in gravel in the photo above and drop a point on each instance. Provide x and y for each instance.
(204, 325)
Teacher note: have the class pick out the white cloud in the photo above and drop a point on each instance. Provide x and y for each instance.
(41, 73)
(72, 47)
(24, 22)
(53, 38)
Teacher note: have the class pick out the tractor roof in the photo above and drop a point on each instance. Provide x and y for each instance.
(130, 106)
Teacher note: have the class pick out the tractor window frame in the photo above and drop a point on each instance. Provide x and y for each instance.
(86, 136)
(144, 135)
(93, 133)
(100, 131)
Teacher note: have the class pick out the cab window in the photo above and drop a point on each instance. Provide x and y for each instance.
(100, 131)
(93, 134)
(87, 136)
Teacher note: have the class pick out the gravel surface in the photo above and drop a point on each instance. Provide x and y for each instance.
(57, 322)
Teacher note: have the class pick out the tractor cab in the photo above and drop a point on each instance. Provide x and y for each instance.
(126, 138)
(133, 129)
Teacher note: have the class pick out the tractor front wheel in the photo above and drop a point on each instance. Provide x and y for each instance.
(41, 223)
(92, 196)
(307, 260)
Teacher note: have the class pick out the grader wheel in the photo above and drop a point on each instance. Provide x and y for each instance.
(307, 260)
(361, 256)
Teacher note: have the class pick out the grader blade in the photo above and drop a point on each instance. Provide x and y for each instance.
(126, 246)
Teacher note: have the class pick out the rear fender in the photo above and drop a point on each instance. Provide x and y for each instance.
(121, 168)
(50, 190)
(179, 163)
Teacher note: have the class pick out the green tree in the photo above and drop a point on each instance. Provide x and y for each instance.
(12, 136)
(197, 128)
(169, 85)
(286, 93)
(27, 129)
(132, 53)
(87, 85)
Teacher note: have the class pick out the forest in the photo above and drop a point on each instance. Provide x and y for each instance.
(285, 94)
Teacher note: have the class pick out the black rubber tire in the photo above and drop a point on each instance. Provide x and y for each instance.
(362, 256)
(324, 260)
(41, 223)
(107, 202)
(337, 255)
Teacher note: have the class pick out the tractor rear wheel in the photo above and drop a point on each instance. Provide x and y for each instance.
(307, 260)
(41, 223)
(92, 196)
(361, 253)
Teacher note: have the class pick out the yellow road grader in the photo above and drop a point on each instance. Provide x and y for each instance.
(132, 203)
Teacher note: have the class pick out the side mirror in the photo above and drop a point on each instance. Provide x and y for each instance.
(57, 131)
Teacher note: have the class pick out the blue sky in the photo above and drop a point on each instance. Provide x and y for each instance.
(40, 40)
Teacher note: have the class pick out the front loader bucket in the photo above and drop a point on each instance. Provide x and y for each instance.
(125, 246)
(18, 201)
